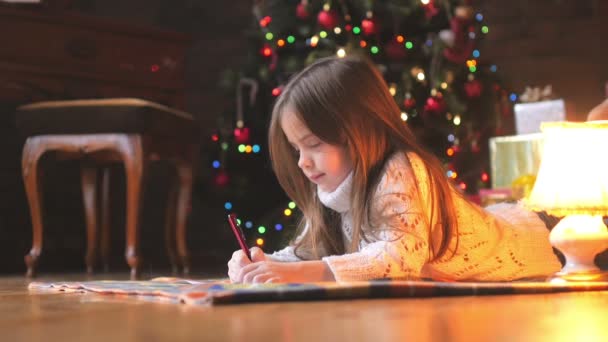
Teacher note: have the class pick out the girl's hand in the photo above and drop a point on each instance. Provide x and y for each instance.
(283, 272)
(240, 260)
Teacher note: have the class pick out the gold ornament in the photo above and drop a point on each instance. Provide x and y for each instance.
(464, 12)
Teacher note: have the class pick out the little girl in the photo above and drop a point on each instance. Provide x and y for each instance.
(375, 204)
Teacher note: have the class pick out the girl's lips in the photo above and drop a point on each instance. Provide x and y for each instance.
(316, 177)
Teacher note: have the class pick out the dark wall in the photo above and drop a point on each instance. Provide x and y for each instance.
(557, 42)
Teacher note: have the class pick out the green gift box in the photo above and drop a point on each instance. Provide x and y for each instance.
(512, 157)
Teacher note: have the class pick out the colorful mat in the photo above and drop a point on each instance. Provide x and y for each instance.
(220, 291)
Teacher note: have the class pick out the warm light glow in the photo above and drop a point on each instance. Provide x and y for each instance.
(444, 85)
(392, 89)
(484, 177)
(457, 120)
(400, 39)
(404, 116)
(420, 76)
(425, 2)
(337, 30)
(572, 177)
(314, 41)
(287, 212)
(259, 241)
(265, 21)
(341, 53)
(572, 182)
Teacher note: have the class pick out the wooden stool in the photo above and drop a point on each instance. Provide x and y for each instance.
(98, 132)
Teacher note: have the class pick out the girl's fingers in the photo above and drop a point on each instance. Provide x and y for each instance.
(249, 272)
(257, 254)
(273, 280)
(236, 264)
(262, 278)
(240, 258)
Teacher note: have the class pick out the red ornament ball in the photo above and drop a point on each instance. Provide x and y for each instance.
(369, 26)
(435, 105)
(394, 50)
(302, 11)
(409, 103)
(430, 10)
(241, 135)
(222, 179)
(463, 46)
(473, 89)
(328, 19)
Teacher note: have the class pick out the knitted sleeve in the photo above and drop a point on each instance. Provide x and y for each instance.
(398, 246)
(286, 254)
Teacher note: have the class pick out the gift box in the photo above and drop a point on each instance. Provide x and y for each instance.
(529, 116)
(513, 158)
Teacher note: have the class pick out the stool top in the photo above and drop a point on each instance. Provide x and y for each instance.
(110, 115)
(122, 101)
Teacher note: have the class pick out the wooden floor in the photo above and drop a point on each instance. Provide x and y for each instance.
(579, 316)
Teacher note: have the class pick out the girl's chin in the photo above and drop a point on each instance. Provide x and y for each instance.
(326, 188)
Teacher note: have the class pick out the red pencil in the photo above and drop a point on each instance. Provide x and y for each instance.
(238, 233)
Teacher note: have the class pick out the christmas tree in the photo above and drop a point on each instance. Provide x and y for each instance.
(428, 52)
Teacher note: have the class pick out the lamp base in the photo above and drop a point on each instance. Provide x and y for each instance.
(585, 276)
(580, 238)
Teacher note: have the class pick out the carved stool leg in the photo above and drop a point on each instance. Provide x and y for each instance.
(184, 173)
(89, 197)
(104, 211)
(132, 152)
(170, 220)
(32, 178)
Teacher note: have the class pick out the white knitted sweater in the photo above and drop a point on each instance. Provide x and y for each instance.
(502, 242)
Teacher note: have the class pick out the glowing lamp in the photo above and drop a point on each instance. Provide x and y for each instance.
(572, 183)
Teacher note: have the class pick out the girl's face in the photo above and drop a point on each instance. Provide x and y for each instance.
(324, 164)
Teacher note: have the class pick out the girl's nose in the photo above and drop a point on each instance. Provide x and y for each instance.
(304, 161)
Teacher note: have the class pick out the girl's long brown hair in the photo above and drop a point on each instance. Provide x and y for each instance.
(345, 101)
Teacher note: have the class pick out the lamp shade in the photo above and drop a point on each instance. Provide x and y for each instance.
(573, 173)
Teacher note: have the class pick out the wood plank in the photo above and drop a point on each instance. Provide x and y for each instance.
(54, 317)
